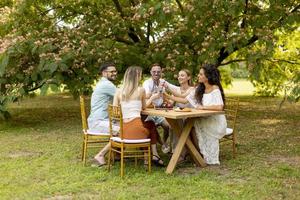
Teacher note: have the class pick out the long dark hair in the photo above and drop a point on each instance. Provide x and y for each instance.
(214, 78)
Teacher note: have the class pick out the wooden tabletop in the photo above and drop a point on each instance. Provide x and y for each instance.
(179, 115)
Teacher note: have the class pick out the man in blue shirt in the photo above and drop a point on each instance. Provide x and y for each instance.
(102, 96)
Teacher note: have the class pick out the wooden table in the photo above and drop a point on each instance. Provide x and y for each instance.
(173, 118)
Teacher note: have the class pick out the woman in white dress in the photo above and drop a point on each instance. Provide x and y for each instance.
(208, 95)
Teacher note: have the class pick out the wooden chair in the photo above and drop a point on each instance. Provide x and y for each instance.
(91, 139)
(231, 109)
(125, 147)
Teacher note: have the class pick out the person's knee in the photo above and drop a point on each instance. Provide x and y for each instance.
(165, 125)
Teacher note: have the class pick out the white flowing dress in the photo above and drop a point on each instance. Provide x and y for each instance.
(209, 129)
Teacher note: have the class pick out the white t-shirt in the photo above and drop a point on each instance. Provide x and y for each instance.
(151, 88)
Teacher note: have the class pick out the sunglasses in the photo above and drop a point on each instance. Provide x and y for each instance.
(155, 72)
(111, 71)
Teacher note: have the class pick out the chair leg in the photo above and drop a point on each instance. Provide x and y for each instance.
(113, 155)
(109, 157)
(149, 159)
(122, 162)
(82, 151)
(234, 146)
(233, 149)
(135, 159)
(85, 152)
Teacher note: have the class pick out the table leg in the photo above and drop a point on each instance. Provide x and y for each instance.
(183, 139)
(195, 154)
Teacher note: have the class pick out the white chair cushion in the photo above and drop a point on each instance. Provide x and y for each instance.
(229, 131)
(118, 139)
(92, 132)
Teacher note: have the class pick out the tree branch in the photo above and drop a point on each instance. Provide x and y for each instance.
(280, 21)
(232, 61)
(271, 60)
(122, 40)
(45, 12)
(244, 13)
(222, 50)
(49, 81)
(132, 2)
(36, 87)
(282, 60)
(148, 31)
(2, 89)
(119, 8)
(224, 54)
(180, 7)
(131, 32)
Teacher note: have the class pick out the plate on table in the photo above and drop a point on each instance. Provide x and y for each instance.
(163, 108)
(182, 109)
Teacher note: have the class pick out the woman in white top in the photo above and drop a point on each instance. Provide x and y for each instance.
(186, 86)
(131, 97)
(208, 95)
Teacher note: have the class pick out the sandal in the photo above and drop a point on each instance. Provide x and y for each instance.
(181, 160)
(165, 148)
(158, 162)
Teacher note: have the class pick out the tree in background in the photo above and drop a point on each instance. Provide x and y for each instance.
(60, 43)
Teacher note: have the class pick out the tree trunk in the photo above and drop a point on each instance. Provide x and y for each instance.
(2, 89)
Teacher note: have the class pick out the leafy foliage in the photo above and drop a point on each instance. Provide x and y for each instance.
(46, 43)
(280, 73)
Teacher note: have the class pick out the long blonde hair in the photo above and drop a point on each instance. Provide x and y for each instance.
(131, 81)
(188, 73)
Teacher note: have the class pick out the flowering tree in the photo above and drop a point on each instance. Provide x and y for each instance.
(61, 43)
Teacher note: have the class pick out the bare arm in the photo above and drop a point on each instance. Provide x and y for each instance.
(176, 99)
(116, 101)
(151, 98)
(214, 107)
(143, 98)
(174, 90)
(147, 96)
(178, 94)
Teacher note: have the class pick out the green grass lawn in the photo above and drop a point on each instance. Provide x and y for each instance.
(41, 145)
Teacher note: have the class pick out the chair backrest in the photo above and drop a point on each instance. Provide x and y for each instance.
(83, 113)
(231, 109)
(115, 115)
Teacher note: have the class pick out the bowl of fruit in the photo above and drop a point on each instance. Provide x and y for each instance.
(165, 106)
